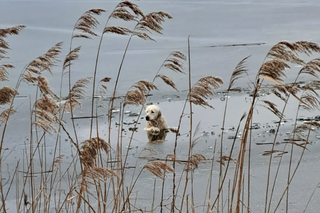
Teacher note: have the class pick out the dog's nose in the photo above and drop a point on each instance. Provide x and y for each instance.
(147, 118)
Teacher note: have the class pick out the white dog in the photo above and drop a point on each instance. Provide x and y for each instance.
(156, 126)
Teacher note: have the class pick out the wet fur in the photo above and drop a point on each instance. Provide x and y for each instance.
(156, 126)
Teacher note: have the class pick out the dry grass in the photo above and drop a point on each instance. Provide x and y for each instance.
(5, 114)
(97, 177)
(77, 92)
(6, 95)
(87, 23)
(137, 93)
(90, 150)
(203, 89)
(159, 168)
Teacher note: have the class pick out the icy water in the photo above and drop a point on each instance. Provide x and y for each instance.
(221, 34)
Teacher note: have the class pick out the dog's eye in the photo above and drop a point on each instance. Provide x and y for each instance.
(152, 111)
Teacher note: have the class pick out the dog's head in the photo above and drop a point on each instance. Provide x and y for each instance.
(152, 113)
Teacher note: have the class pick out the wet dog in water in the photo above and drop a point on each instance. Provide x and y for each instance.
(156, 125)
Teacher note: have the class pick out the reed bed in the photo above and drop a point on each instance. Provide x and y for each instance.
(96, 176)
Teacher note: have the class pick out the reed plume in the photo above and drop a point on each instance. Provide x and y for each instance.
(5, 114)
(44, 87)
(90, 150)
(307, 47)
(136, 93)
(168, 81)
(90, 176)
(72, 56)
(194, 161)
(57, 161)
(311, 68)
(159, 168)
(276, 93)
(282, 53)
(313, 123)
(93, 174)
(103, 88)
(121, 11)
(148, 23)
(87, 23)
(203, 89)
(225, 158)
(310, 101)
(117, 30)
(4, 46)
(303, 127)
(273, 108)
(288, 52)
(3, 71)
(105, 80)
(237, 73)
(175, 61)
(76, 93)
(274, 69)
(11, 31)
(173, 158)
(46, 110)
(7, 94)
(126, 11)
(152, 22)
(41, 64)
(285, 52)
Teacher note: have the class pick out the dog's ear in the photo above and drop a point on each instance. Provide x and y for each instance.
(159, 114)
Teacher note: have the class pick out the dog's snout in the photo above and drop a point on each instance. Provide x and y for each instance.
(147, 118)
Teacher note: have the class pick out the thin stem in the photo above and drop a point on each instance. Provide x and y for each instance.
(190, 126)
(311, 197)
